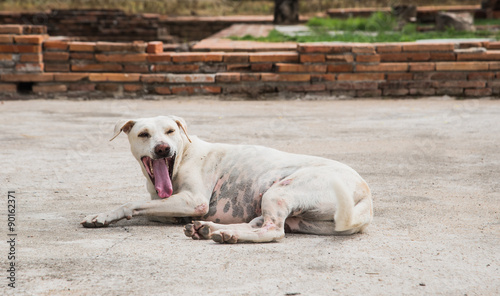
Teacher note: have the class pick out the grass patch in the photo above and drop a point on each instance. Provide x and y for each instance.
(377, 28)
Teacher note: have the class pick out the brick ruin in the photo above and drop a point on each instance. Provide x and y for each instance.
(32, 64)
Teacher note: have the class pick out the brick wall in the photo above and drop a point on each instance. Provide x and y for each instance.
(33, 64)
(116, 25)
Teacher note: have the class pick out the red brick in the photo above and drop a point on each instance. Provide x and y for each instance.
(121, 47)
(395, 91)
(81, 56)
(361, 76)
(416, 46)
(8, 87)
(363, 48)
(312, 58)
(228, 77)
(196, 90)
(213, 57)
(301, 68)
(134, 68)
(49, 88)
(55, 45)
(174, 68)
(126, 58)
(323, 77)
(250, 76)
(161, 57)
(363, 93)
(352, 85)
(375, 58)
(494, 65)
(267, 67)
(31, 58)
(6, 57)
(492, 45)
(56, 67)
(133, 87)
(29, 67)
(345, 58)
(460, 84)
(82, 46)
(443, 56)
(11, 29)
(70, 77)
(422, 91)
(6, 38)
(481, 76)
(275, 57)
(462, 66)
(238, 67)
(14, 48)
(389, 47)
(405, 57)
(163, 90)
(33, 30)
(27, 77)
(450, 91)
(419, 67)
(465, 45)
(305, 87)
(236, 58)
(190, 78)
(188, 57)
(82, 87)
(335, 68)
(30, 39)
(154, 47)
(399, 76)
(152, 78)
(441, 76)
(96, 68)
(54, 56)
(493, 55)
(108, 87)
(115, 77)
(324, 48)
(285, 77)
(385, 67)
(483, 92)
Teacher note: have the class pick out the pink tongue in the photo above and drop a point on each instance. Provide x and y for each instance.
(163, 185)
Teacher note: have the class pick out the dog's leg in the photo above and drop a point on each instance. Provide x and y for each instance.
(179, 205)
(204, 229)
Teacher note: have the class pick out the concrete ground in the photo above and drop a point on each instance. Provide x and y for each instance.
(432, 164)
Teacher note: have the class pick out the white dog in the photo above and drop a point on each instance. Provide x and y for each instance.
(240, 193)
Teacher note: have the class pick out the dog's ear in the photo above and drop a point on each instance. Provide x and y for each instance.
(123, 126)
(181, 123)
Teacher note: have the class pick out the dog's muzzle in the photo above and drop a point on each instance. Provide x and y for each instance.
(160, 172)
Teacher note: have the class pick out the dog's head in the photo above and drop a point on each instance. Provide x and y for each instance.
(156, 143)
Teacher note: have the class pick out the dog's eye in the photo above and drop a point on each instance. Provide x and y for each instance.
(169, 131)
(144, 135)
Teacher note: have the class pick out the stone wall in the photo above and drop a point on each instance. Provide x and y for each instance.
(32, 63)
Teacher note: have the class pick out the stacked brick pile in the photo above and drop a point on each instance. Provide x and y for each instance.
(35, 64)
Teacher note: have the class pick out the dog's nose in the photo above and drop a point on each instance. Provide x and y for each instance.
(162, 150)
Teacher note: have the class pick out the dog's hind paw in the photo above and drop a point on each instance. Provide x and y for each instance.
(224, 237)
(197, 230)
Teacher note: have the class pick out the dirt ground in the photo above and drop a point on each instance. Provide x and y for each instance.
(432, 164)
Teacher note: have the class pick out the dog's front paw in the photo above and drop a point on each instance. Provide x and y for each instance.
(198, 230)
(94, 221)
(225, 237)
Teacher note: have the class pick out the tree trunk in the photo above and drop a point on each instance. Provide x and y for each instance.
(286, 11)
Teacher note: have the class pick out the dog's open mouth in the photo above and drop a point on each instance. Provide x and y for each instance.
(160, 171)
